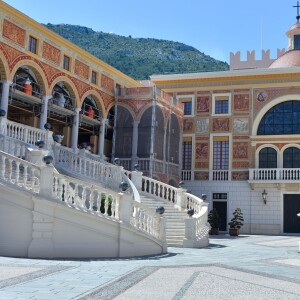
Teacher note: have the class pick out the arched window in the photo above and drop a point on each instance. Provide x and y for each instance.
(291, 158)
(283, 118)
(267, 158)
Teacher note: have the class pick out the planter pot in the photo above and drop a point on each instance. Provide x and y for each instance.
(234, 231)
(214, 231)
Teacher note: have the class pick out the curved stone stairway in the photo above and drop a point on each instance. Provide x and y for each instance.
(175, 224)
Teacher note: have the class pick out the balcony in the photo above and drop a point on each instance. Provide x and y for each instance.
(278, 175)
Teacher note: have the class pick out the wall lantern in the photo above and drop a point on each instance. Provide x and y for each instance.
(264, 196)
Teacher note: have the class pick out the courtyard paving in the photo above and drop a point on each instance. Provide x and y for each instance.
(244, 267)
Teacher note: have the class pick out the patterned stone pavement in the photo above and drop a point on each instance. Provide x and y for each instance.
(246, 267)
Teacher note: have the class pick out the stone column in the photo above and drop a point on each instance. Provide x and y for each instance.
(44, 113)
(135, 136)
(5, 95)
(75, 129)
(101, 139)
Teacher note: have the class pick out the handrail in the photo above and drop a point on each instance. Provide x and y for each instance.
(19, 172)
(24, 133)
(98, 170)
(275, 174)
(159, 189)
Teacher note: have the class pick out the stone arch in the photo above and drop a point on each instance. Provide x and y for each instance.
(97, 98)
(123, 148)
(268, 106)
(4, 68)
(141, 113)
(70, 87)
(38, 72)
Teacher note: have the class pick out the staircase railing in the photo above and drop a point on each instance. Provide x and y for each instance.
(13, 146)
(196, 227)
(24, 133)
(81, 195)
(19, 172)
(88, 167)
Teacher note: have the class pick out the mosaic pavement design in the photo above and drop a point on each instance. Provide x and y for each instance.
(13, 275)
(189, 282)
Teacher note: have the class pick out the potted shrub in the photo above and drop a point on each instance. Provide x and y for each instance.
(236, 222)
(214, 221)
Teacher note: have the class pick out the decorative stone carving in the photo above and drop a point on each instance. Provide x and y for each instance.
(240, 125)
(203, 104)
(240, 175)
(188, 125)
(201, 150)
(241, 102)
(201, 175)
(202, 126)
(240, 150)
(221, 124)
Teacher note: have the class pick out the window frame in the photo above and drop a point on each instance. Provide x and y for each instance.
(65, 58)
(94, 77)
(33, 46)
(215, 99)
(187, 98)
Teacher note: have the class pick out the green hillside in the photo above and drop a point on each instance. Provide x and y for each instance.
(139, 57)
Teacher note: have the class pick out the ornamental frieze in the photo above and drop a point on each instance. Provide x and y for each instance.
(240, 176)
(188, 125)
(107, 83)
(221, 124)
(14, 33)
(240, 165)
(203, 104)
(241, 103)
(240, 125)
(12, 55)
(51, 53)
(240, 150)
(201, 176)
(81, 69)
(201, 151)
(201, 165)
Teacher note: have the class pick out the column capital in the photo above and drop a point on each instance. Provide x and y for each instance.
(136, 123)
(77, 109)
(6, 81)
(47, 97)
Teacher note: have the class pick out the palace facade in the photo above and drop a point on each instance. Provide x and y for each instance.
(233, 135)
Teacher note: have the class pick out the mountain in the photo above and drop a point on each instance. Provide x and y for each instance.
(139, 57)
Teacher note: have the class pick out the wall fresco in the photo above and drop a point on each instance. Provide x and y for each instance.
(14, 33)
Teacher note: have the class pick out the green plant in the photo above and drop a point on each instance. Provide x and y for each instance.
(238, 220)
(102, 207)
(214, 219)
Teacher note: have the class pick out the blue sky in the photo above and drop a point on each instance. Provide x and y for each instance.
(214, 27)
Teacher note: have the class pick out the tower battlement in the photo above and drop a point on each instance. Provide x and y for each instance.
(252, 63)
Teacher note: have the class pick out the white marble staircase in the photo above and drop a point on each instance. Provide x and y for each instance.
(175, 219)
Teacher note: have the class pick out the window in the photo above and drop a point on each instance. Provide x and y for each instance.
(188, 104)
(291, 158)
(94, 77)
(283, 118)
(221, 104)
(187, 154)
(187, 108)
(221, 107)
(267, 158)
(66, 63)
(219, 195)
(118, 89)
(32, 45)
(297, 42)
(221, 153)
